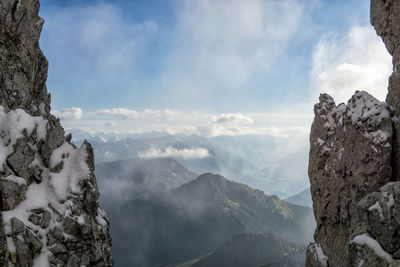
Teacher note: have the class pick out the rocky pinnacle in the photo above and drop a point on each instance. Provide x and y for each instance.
(354, 167)
(50, 215)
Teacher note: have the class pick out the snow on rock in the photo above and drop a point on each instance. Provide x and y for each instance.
(378, 208)
(14, 124)
(353, 161)
(316, 256)
(73, 169)
(366, 240)
(364, 107)
(46, 184)
(56, 207)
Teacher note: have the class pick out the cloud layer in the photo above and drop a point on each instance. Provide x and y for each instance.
(122, 121)
(186, 153)
(69, 114)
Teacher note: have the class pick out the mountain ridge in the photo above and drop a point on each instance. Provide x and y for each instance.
(199, 216)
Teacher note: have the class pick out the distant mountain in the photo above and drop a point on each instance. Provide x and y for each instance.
(258, 161)
(288, 174)
(303, 198)
(218, 161)
(194, 219)
(256, 211)
(250, 250)
(137, 178)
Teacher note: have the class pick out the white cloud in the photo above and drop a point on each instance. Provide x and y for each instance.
(122, 113)
(220, 45)
(69, 114)
(186, 153)
(236, 118)
(123, 122)
(357, 61)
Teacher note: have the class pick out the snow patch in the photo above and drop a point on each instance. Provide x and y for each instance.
(362, 106)
(320, 142)
(378, 208)
(42, 260)
(379, 137)
(18, 180)
(74, 169)
(366, 240)
(81, 219)
(12, 126)
(319, 254)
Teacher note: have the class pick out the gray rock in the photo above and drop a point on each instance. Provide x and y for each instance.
(11, 194)
(70, 226)
(17, 227)
(35, 242)
(54, 138)
(46, 217)
(24, 258)
(57, 248)
(73, 261)
(21, 159)
(58, 233)
(35, 219)
(23, 68)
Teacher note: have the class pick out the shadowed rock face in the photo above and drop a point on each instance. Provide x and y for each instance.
(48, 193)
(23, 67)
(354, 168)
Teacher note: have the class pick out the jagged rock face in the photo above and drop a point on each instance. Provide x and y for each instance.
(354, 168)
(50, 215)
(23, 67)
(350, 157)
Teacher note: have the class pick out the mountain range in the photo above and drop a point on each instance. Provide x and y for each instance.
(237, 158)
(194, 219)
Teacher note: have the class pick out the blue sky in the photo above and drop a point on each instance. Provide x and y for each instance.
(110, 59)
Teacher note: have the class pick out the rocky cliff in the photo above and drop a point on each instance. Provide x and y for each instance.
(50, 214)
(354, 167)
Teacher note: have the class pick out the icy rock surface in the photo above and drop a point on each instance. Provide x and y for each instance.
(50, 215)
(355, 164)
